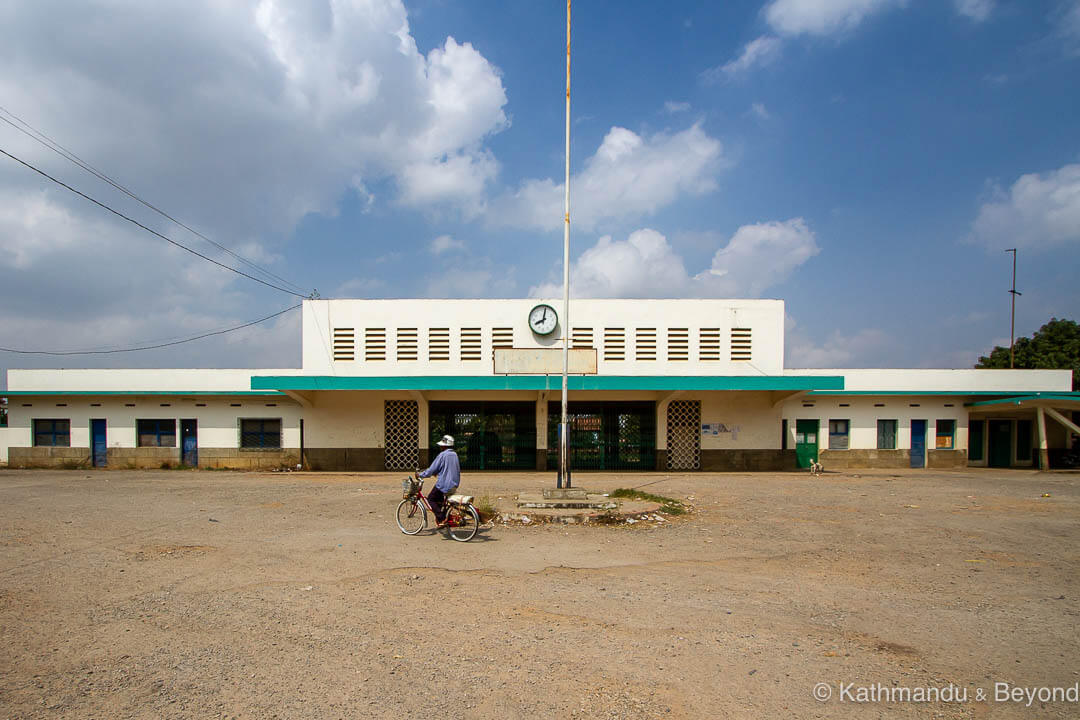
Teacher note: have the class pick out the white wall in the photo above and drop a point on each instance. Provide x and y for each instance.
(144, 380)
(862, 414)
(958, 381)
(218, 421)
(321, 317)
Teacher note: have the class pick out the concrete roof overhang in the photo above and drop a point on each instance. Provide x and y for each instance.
(549, 382)
(1028, 401)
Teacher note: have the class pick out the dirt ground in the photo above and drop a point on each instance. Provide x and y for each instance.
(212, 594)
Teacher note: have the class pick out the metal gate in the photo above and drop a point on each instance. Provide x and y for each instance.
(402, 434)
(487, 435)
(684, 435)
(606, 435)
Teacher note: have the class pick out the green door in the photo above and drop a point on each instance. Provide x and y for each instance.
(806, 442)
(1000, 443)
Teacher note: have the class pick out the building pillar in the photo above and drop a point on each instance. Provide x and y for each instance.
(541, 430)
(1044, 452)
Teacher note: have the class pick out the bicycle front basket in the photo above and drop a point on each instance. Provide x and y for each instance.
(409, 487)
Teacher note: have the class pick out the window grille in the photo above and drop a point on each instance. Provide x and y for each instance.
(438, 343)
(344, 343)
(614, 343)
(581, 338)
(262, 433)
(709, 344)
(502, 337)
(406, 344)
(402, 433)
(645, 344)
(375, 344)
(740, 343)
(684, 435)
(678, 344)
(470, 343)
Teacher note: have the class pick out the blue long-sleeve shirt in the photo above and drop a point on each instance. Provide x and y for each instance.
(448, 468)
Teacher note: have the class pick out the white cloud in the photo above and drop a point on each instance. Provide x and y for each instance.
(445, 243)
(644, 265)
(1039, 210)
(629, 176)
(977, 10)
(759, 52)
(1069, 25)
(822, 17)
(671, 107)
(759, 111)
(239, 118)
(869, 347)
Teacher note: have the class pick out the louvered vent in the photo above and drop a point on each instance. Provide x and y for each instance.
(740, 344)
(501, 337)
(406, 343)
(374, 343)
(581, 338)
(344, 343)
(646, 344)
(439, 344)
(678, 344)
(614, 343)
(709, 344)
(470, 343)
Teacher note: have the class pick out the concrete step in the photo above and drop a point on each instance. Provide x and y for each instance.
(583, 501)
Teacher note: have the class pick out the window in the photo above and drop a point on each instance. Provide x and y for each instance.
(645, 344)
(838, 434)
(156, 433)
(438, 343)
(52, 433)
(260, 433)
(975, 439)
(740, 343)
(344, 343)
(886, 434)
(709, 343)
(614, 343)
(946, 432)
(678, 344)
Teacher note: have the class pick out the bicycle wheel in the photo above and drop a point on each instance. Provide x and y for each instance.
(411, 516)
(466, 523)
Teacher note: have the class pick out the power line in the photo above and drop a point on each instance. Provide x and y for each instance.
(148, 347)
(46, 141)
(149, 230)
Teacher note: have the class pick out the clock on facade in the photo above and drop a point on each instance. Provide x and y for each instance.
(542, 319)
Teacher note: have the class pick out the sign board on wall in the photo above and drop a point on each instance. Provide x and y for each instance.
(544, 361)
(717, 428)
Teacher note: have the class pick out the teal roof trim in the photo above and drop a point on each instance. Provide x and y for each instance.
(171, 393)
(1067, 396)
(548, 382)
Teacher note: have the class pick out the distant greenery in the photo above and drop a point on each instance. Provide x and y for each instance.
(671, 506)
(1054, 346)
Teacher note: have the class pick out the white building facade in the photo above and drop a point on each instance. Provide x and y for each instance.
(656, 385)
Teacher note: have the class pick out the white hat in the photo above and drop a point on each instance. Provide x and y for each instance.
(447, 441)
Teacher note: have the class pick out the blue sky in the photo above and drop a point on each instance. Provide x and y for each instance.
(868, 161)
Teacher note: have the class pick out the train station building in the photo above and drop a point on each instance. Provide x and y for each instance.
(679, 385)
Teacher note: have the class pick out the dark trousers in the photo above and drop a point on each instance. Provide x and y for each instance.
(438, 503)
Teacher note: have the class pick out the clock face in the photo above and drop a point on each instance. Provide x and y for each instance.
(542, 319)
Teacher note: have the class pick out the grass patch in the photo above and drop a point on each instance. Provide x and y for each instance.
(671, 506)
(485, 507)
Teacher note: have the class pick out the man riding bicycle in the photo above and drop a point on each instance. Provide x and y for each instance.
(448, 469)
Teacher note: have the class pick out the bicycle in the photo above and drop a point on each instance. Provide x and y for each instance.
(462, 520)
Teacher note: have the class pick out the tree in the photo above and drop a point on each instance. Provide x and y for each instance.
(1054, 346)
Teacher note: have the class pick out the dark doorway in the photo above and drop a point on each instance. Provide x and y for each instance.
(1000, 454)
(98, 447)
(189, 442)
(606, 435)
(487, 435)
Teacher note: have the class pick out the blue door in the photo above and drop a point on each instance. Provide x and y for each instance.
(918, 443)
(189, 442)
(99, 449)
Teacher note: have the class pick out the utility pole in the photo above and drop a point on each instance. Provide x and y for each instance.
(564, 427)
(1012, 324)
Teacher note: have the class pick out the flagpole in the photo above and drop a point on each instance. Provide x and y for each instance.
(564, 440)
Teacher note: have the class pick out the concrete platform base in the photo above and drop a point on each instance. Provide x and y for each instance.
(565, 500)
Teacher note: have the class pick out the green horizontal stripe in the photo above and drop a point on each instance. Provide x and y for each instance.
(1068, 397)
(200, 393)
(547, 382)
(954, 393)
